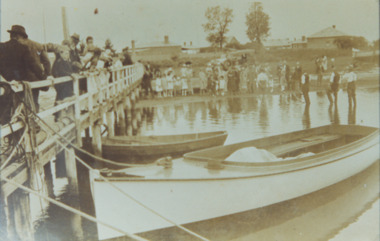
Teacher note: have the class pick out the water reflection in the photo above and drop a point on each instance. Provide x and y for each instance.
(234, 105)
(306, 117)
(334, 115)
(148, 113)
(352, 115)
(263, 116)
(255, 116)
(213, 110)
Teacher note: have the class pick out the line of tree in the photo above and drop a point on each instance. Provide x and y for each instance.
(257, 22)
(348, 42)
(219, 21)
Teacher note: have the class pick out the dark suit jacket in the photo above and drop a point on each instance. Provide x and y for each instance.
(17, 62)
(127, 60)
(39, 53)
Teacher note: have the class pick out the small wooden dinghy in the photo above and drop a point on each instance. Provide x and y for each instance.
(205, 185)
(124, 148)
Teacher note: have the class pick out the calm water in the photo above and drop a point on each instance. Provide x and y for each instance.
(304, 218)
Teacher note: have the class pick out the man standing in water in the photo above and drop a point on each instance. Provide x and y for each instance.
(305, 88)
(333, 88)
(351, 87)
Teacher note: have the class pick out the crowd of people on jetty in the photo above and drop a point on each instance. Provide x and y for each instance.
(23, 59)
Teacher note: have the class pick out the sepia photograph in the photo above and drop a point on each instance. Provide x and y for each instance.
(178, 120)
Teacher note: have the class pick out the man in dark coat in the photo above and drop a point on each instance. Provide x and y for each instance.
(146, 80)
(305, 88)
(298, 75)
(127, 60)
(74, 53)
(333, 88)
(287, 75)
(40, 55)
(233, 79)
(17, 61)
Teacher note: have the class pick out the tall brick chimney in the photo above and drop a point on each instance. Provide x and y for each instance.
(133, 45)
(166, 39)
(191, 43)
(184, 43)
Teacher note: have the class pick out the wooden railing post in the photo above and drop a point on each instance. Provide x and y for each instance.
(114, 83)
(110, 123)
(90, 86)
(77, 110)
(121, 118)
(71, 170)
(96, 139)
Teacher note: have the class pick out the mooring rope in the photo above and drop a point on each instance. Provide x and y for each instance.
(101, 159)
(16, 116)
(71, 209)
(103, 178)
(14, 152)
(128, 195)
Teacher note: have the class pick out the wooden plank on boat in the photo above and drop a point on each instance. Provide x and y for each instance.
(302, 143)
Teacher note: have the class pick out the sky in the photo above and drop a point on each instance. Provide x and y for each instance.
(150, 20)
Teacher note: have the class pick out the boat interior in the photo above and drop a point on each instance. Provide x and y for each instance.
(315, 140)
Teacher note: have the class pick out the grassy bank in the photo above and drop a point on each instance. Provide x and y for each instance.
(306, 58)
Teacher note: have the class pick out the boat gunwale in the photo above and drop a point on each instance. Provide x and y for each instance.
(145, 179)
(221, 134)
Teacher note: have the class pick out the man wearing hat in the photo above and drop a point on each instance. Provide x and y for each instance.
(333, 88)
(17, 61)
(74, 53)
(127, 60)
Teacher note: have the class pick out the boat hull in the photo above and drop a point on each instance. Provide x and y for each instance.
(125, 152)
(191, 200)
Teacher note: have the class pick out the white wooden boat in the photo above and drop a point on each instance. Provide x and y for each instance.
(203, 185)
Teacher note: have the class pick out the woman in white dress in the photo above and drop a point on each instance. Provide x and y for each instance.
(158, 85)
(184, 86)
(170, 80)
(164, 85)
(203, 82)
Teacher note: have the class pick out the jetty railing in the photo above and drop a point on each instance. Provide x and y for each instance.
(98, 97)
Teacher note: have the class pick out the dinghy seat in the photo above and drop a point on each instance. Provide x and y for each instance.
(300, 145)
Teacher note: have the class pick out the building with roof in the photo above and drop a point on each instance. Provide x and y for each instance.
(277, 44)
(189, 48)
(156, 50)
(299, 43)
(231, 40)
(325, 38)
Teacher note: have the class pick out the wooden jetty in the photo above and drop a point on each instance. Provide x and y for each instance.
(108, 97)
